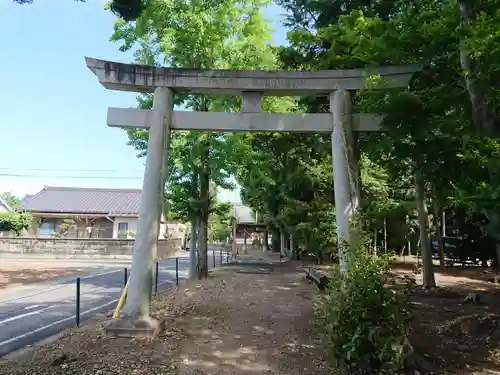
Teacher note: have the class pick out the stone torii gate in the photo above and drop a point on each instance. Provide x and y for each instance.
(251, 85)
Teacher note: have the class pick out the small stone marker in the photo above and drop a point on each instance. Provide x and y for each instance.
(128, 327)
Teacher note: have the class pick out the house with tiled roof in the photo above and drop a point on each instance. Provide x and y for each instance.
(246, 225)
(75, 212)
(242, 213)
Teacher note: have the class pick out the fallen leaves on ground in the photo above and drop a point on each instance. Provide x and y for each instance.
(231, 323)
(456, 337)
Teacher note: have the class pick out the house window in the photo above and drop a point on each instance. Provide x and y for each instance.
(122, 230)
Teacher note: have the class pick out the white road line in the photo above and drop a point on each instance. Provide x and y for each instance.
(35, 294)
(21, 316)
(31, 307)
(168, 281)
(6, 342)
(100, 274)
(13, 339)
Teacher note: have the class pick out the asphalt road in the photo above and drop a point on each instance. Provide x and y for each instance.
(31, 313)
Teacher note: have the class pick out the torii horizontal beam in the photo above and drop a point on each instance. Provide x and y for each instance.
(241, 122)
(142, 78)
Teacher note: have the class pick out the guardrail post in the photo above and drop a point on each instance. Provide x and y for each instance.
(78, 302)
(156, 279)
(177, 271)
(213, 255)
(126, 276)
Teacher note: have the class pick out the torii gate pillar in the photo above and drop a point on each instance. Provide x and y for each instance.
(345, 184)
(164, 82)
(148, 223)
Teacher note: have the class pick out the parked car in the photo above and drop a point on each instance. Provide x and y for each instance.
(463, 250)
(450, 246)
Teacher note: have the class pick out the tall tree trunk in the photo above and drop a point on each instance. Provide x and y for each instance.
(484, 116)
(266, 240)
(385, 235)
(202, 264)
(205, 202)
(436, 213)
(356, 155)
(408, 234)
(192, 249)
(195, 229)
(275, 241)
(428, 271)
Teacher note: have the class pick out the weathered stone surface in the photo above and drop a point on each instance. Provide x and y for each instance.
(141, 78)
(241, 122)
(129, 327)
(69, 248)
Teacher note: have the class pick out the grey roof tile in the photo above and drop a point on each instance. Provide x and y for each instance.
(26, 198)
(243, 213)
(84, 200)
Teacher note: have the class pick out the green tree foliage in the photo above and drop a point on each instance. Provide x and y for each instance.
(10, 199)
(15, 222)
(428, 125)
(431, 127)
(456, 151)
(202, 34)
(129, 10)
(284, 177)
(219, 228)
(64, 227)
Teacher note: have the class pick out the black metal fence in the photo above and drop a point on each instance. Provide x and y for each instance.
(53, 306)
(224, 258)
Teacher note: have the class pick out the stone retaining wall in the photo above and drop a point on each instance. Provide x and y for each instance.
(78, 247)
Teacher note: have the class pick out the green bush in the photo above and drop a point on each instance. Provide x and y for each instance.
(364, 322)
(15, 221)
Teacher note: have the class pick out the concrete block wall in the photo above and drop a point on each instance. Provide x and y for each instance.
(79, 247)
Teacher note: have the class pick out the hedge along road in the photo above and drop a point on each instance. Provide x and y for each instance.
(32, 313)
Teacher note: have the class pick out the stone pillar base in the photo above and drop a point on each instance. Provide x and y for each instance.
(130, 327)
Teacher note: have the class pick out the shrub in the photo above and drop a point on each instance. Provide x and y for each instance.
(363, 320)
(15, 221)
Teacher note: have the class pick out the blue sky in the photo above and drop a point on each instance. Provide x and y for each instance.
(53, 110)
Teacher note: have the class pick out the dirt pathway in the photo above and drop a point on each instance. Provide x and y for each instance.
(254, 323)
